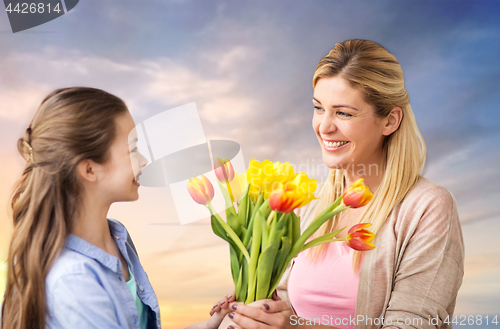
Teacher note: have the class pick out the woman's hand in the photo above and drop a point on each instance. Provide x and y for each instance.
(219, 311)
(262, 314)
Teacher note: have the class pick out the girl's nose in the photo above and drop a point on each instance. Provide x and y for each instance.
(143, 161)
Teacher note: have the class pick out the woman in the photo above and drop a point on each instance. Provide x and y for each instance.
(366, 129)
(69, 266)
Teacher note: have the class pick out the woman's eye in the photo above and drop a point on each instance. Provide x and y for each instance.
(317, 109)
(134, 150)
(343, 114)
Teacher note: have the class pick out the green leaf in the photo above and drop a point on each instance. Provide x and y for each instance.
(231, 215)
(244, 210)
(265, 209)
(265, 233)
(237, 287)
(233, 222)
(278, 229)
(248, 234)
(295, 221)
(233, 238)
(254, 257)
(241, 292)
(265, 269)
(280, 259)
(217, 229)
(251, 223)
(235, 264)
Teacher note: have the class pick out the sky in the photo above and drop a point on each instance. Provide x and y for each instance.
(248, 66)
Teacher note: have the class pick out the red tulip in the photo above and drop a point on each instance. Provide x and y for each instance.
(357, 195)
(201, 190)
(224, 170)
(359, 239)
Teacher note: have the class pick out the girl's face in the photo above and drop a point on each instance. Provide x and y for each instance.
(348, 131)
(124, 164)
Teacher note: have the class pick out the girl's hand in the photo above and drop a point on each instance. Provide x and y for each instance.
(262, 314)
(219, 311)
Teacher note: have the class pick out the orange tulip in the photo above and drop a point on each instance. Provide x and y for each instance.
(297, 193)
(281, 201)
(201, 190)
(359, 239)
(357, 195)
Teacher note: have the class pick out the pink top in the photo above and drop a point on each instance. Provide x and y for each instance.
(326, 289)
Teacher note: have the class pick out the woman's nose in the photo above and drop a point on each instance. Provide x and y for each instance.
(327, 125)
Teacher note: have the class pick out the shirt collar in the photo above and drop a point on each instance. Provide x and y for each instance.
(85, 248)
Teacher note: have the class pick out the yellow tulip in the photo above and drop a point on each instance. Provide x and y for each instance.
(238, 186)
(264, 176)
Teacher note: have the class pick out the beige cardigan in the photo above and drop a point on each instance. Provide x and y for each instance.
(417, 267)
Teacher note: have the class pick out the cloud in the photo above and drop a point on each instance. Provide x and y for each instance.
(468, 173)
(481, 287)
(249, 71)
(19, 104)
(146, 85)
(172, 83)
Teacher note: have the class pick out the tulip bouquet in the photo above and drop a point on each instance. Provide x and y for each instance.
(263, 231)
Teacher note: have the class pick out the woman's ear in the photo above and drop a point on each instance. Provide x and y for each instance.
(86, 170)
(392, 121)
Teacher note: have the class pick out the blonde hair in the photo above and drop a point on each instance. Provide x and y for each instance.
(71, 125)
(374, 71)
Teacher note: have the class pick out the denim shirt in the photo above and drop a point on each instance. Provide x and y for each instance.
(85, 287)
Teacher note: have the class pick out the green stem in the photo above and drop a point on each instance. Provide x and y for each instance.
(317, 242)
(313, 227)
(270, 218)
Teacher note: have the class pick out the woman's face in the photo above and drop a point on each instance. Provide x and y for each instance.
(124, 164)
(348, 131)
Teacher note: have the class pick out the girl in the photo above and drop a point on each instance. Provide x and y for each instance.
(366, 129)
(69, 266)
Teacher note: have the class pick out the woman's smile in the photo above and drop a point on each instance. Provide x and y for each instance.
(330, 145)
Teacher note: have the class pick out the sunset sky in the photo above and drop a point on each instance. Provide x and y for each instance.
(248, 67)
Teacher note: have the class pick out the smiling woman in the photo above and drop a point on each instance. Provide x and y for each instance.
(366, 129)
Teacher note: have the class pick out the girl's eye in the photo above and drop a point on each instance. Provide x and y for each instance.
(134, 150)
(343, 114)
(317, 109)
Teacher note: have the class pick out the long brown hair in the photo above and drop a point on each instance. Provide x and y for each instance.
(374, 71)
(71, 124)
